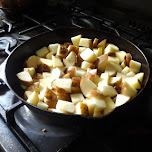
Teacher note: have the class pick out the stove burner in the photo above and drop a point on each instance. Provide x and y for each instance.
(5, 40)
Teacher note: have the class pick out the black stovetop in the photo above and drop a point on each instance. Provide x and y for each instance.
(21, 130)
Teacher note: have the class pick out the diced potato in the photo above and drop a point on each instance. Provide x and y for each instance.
(97, 113)
(101, 62)
(71, 70)
(104, 79)
(81, 49)
(25, 78)
(98, 51)
(27, 94)
(49, 56)
(91, 106)
(102, 44)
(65, 106)
(68, 63)
(85, 42)
(42, 105)
(73, 48)
(95, 42)
(77, 97)
(64, 83)
(46, 75)
(30, 70)
(32, 62)
(140, 76)
(62, 51)
(62, 94)
(76, 39)
(46, 83)
(121, 99)
(88, 55)
(50, 102)
(111, 48)
(120, 55)
(113, 59)
(130, 74)
(56, 73)
(33, 99)
(134, 66)
(75, 88)
(42, 52)
(71, 57)
(85, 65)
(115, 81)
(53, 48)
(128, 90)
(133, 81)
(56, 62)
(125, 70)
(80, 72)
(82, 109)
(107, 90)
(109, 102)
(86, 85)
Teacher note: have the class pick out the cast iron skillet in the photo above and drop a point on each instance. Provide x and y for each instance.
(14, 64)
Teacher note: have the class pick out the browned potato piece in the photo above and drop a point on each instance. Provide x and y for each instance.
(62, 51)
(51, 103)
(37, 76)
(66, 44)
(66, 75)
(62, 94)
(73, 48)
(95, 93)
(75, 87)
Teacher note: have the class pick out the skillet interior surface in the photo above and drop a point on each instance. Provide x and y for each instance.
(16, 59)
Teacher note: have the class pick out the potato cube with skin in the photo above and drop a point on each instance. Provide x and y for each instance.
(97, 113)
(140, 76)
(110, 69)
(120, 55)
(111, 48)
(88, 55)
(62, 51)
(102, 44)
(27, 94)
(71, 70)
(86, 85)
(33, 99)
(62, 94)
(91, 74)
(121, 75)
(101, 62)
(81, 49)
(42, 52)
(51, 103)
(64, 83)
(133, 81)
(56, 62)
(107, 90)
(121, 99)
(91, 106)
(76, 39)
(134, 66)
(42, 105)
(65, 106)
(46, 83)
(75, 88)
(32, 62)
(30, 70)
(34, 87)
(95, 42)
(53, 48)
(46, 75)
(25, 78)
(128, 90)
(85, 42)
(109, 102)
(72, 48)
(82, 109)
(76, 98)
(115, 81)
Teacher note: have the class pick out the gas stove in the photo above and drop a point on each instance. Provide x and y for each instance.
(22, 131)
